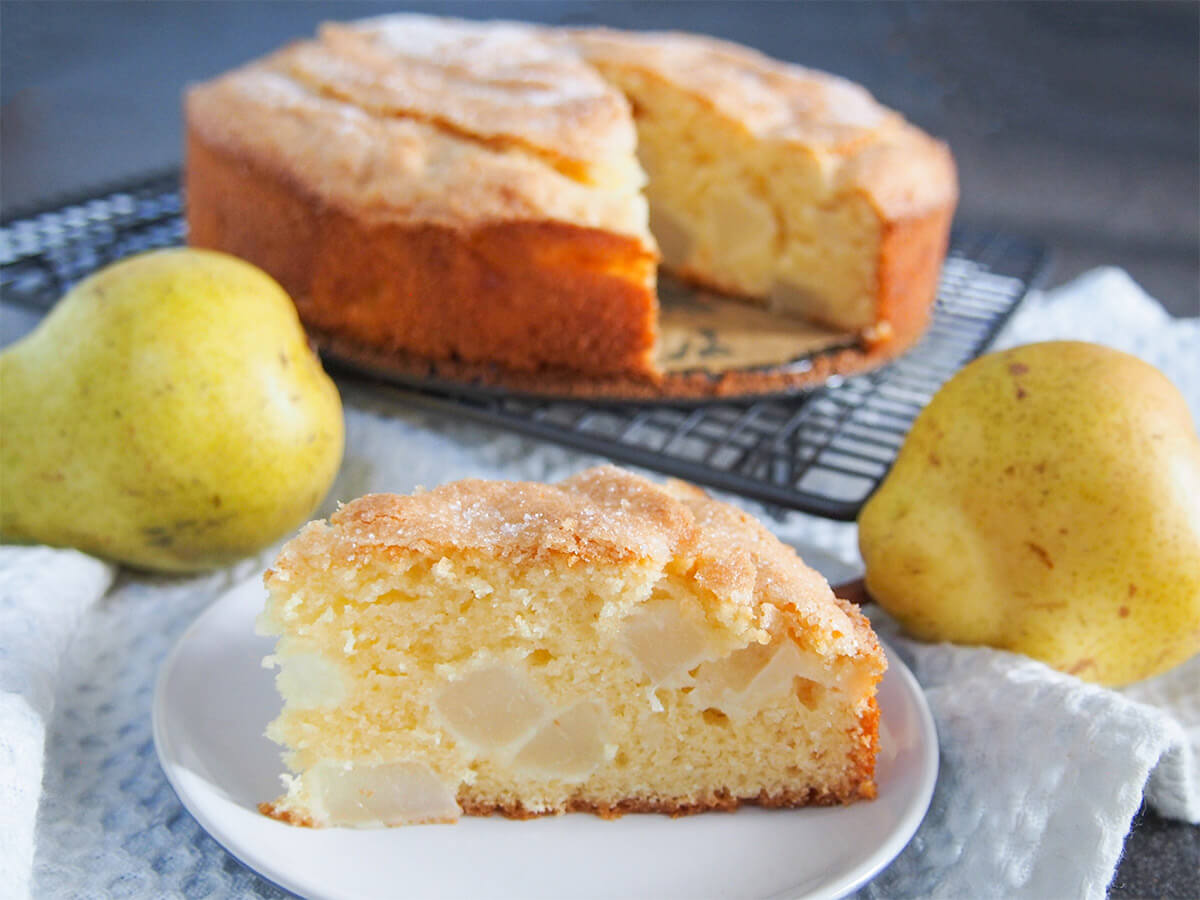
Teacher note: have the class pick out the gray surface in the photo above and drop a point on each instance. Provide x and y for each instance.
(1078, 123)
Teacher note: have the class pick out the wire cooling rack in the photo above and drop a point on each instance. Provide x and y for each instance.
(822, 452)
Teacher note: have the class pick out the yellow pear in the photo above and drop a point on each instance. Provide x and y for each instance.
(168, 413)
(1047, 501)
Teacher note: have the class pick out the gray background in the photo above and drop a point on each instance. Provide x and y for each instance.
(1074, 122)
(1078, 123)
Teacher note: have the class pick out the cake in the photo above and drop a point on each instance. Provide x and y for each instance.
(605, 644)
(467, 197)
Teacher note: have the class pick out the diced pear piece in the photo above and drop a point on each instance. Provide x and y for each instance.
(674, 239)
(368, 795)
(748, 679)
(730, 675)
(778, 677)
(744, 226)
(665, 641)
(492, 707)
(569, 746)
(307, 680)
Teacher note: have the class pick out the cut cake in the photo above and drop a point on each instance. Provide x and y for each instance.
(468, 195)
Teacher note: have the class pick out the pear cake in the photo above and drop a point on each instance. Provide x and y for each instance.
(490, 200)
(604, 644)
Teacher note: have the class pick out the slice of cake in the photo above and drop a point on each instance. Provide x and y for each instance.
(467, 196)
(605, 644)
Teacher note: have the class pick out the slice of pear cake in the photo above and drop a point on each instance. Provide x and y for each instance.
(605, 644)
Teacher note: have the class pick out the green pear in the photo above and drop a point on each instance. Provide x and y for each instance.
(168, 413)
(1047, 501)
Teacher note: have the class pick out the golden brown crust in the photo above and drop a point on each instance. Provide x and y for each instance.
(719, 801)
(523, 295)
(497, 80)
(277, 811)
(910, 266)
(603, 515)
(862, 628)
(736, 557)
(866, 749)
(868, 148)
(771, 99)
(398, 168)
(906, 174)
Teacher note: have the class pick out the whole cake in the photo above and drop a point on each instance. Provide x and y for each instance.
(604, 644)
(470, 195)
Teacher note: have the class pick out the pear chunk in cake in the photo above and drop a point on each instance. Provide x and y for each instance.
(605, 644)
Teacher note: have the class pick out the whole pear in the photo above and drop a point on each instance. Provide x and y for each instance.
(1047, 501)
(168, 413)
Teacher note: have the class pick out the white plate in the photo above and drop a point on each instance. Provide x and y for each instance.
(214, 699)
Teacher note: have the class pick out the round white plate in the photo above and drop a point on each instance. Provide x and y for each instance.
(214, 699)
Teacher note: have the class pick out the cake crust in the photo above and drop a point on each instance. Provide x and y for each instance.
(526, 295)
(509, 83)
(387, 166)
(602, 515)
(868, 148)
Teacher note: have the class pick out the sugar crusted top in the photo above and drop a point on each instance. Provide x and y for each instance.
(421, 118)
(604, 516)
(498, 85)
(864, 145)
(392, 168)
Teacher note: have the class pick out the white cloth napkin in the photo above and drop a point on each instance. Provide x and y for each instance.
(1040, 773)
(43, 593)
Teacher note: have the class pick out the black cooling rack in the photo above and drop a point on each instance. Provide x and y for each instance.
(822, 452)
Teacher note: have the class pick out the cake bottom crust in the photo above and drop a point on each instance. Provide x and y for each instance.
(910, 263)
(807, 374)
(718, 801)
(287, 816)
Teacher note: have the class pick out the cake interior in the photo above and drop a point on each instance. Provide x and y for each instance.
(752, 218)
(420, 686)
